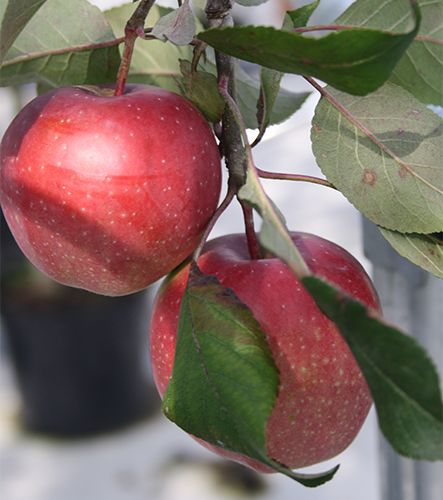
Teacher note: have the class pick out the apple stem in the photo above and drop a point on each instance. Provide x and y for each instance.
(251, 235)
(123, 70)
(133, 29)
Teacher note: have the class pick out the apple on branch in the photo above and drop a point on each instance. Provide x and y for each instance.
(323, 398)
(109, 193)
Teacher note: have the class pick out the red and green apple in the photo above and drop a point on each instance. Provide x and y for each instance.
(323, 398)
(109, 193)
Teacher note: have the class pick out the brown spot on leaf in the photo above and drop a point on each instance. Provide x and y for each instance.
(402, 172)
(317, 129)
(369, 176)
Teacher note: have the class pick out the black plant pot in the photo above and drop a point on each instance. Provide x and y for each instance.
(79, 359)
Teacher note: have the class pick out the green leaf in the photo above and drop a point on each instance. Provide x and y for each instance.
(402, 379)
(424, 250)
(383, 152)
(299, 18)
(357, 60)
(269, 89)
(153, 62)
(220, 350)
(65, 43)
(201, 89)
(420, 70)
(179, 26)
(14, 15)
(224, 380)
(248, 94)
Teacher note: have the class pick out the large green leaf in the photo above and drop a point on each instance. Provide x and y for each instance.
(402, 379)
(357, 60)
(420, 70)
(384, 153)
(224, 381)
(65, 43)
(14, 15)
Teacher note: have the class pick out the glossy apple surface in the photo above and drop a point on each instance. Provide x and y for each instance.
(109, 193)
(323, 398)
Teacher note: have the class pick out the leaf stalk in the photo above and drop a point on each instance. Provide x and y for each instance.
(264, 174)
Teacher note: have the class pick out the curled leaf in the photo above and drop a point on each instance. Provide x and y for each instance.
(179, 26)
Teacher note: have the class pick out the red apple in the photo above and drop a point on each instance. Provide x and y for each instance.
(323, 397)
(109, 193)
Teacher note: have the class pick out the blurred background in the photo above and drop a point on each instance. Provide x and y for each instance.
(107, 439)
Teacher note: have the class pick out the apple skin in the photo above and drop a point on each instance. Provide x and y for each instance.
(109, 193)
(323, 397)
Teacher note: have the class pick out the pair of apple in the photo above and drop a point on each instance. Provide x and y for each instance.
(111, 193)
